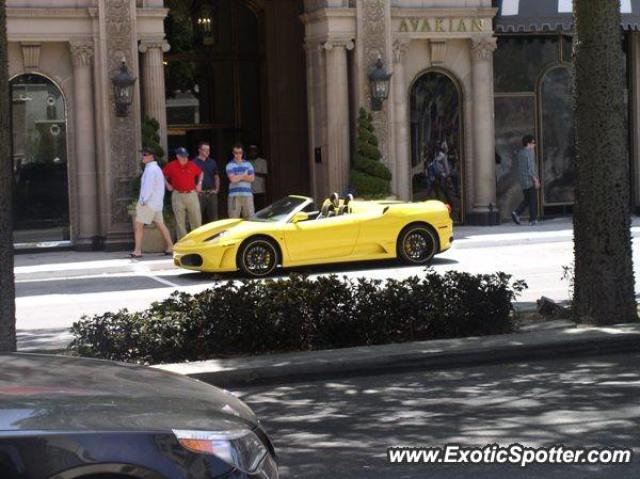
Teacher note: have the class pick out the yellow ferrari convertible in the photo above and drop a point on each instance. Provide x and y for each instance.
(293, 232)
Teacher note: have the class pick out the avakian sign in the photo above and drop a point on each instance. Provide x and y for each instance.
(445, 25)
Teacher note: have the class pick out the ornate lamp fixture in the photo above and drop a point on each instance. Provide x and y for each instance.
(205, 19)
(379, 83)
(123, 89)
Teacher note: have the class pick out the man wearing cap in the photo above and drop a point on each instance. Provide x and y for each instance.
(241, 175)
(150, 202)
(210, 183)
(180, 178)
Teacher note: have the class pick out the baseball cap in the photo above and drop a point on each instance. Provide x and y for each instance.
(180, 151)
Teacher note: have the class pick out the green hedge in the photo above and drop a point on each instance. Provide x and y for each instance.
(299, 314)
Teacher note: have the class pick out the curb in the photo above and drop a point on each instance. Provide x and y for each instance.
(427, 355)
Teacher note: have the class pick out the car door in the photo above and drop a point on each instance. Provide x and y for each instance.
(325, 238)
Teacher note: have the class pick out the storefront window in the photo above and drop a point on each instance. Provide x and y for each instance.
(518, 61)
(557, 146)
(41, 197)
(436, 141)
(514, 118)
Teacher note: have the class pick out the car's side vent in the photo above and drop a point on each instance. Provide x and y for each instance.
(386, 208)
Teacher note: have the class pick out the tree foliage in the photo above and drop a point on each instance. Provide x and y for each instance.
(369, 176)
(604, 281)
(7, 283)
(151, 136)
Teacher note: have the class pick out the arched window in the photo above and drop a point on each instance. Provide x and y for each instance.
(436, 141)
(41, 195)
(557, 135)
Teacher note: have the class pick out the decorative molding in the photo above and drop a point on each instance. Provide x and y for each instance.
(82, 51)
(438, 51)
(157, 43)
(57, 12)
(374, 41)
(482, 48)
(347, 43)
(31, 55)
(400, 49)
(419, 12)
(119, 34)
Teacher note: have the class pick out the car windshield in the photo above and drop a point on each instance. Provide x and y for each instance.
(280, 210)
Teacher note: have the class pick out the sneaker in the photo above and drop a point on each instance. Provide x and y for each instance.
(515, 217)
(533, 223)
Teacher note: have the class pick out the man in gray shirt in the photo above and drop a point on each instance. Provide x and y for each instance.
(529, 182)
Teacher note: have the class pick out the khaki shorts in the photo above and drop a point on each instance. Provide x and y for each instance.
(146, 215)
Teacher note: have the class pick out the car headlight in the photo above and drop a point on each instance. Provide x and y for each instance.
(240, 448)
(219, 235)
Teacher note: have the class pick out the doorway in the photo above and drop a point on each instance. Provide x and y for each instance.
(40, 170)
(437, 162)
(213, 75)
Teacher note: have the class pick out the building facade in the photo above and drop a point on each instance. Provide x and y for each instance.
(468, 78)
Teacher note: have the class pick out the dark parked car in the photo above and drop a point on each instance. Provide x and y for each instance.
(73, 418)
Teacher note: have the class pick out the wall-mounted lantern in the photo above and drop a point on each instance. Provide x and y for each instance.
(379, 83)
(123, 89)
(206, 23)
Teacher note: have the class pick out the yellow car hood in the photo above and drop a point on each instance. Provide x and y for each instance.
(237, 228)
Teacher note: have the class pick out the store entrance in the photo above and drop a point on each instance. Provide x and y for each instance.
(436, 141)
(213, 75)
(40, 174)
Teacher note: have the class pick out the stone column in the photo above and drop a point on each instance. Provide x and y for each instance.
(85, 152)
(402, 175)
(484, 210)
(153, 84)
(310, 50)
(337, 141)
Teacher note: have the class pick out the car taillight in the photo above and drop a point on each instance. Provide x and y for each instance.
(449, 209)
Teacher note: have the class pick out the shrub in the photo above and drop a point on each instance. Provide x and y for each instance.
(298, 314)
(369, 177)
(374, 187)
(151, 136)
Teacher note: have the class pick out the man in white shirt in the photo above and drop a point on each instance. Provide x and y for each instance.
(150, 203)
(260, 183)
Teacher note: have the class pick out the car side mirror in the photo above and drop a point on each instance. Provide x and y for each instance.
(300, 216)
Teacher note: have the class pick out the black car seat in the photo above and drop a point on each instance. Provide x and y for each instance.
(329, 207)
(345, 208)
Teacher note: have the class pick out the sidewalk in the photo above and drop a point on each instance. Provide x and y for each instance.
(437, 354)
(70, 264)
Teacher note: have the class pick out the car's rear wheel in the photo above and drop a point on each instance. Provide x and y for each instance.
(417, 244)
(258, 257)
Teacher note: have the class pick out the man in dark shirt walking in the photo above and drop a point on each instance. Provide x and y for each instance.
(210, 184)
(529, 182)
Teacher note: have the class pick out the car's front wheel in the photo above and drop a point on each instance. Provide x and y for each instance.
(417, 244)
(258, 257)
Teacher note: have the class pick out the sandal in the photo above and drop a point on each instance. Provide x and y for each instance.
(135, 256)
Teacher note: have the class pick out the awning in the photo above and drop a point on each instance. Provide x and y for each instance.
(552, 15)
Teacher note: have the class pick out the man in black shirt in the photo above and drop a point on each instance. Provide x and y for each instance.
(210, 183)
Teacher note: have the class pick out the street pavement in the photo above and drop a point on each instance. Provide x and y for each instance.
(342, 428)
(55, 289)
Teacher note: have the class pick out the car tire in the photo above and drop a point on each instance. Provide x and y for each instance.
(417, 244)
(258, 257)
